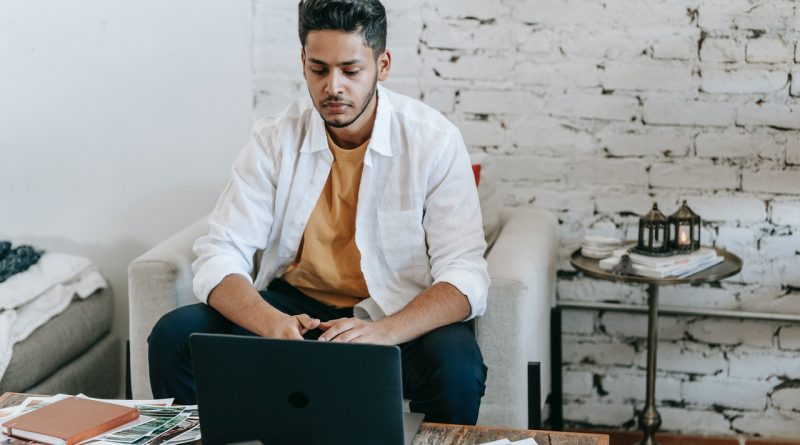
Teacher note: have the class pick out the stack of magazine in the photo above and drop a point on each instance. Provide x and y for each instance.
(679, 266)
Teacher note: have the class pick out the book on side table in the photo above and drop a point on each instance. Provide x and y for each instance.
(69, 421)
(679, 266)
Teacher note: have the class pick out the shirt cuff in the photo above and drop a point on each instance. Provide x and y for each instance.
(212, 273)
(470, 285)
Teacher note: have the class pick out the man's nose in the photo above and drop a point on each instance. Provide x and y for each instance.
(333, 84)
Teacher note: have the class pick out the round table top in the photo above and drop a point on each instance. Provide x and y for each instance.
(591, 267)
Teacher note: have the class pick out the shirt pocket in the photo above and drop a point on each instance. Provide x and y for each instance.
(402, 238)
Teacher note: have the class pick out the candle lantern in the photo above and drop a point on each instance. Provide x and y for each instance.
(684, 227)
(654, 234)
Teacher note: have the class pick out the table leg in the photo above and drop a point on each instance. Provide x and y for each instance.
(650, 419)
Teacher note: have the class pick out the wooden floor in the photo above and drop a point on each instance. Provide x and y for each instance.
(635, 437)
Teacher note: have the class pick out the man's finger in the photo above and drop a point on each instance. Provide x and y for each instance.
(325, 325)
(338, 327)
(348, 336)
(307, 322)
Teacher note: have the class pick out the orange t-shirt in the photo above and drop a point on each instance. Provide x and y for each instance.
(328, 263)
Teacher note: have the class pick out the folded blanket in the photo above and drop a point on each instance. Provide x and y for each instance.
(31, 298)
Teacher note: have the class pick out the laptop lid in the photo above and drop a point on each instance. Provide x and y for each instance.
(290, 392)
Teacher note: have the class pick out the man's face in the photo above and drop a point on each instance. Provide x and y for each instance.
(341, 73)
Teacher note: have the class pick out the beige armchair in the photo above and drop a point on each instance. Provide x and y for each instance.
(514, 331)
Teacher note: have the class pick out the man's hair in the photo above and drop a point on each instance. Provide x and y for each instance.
(365, 16)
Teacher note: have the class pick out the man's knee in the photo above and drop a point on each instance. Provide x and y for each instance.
(171, 333)
(454, 354)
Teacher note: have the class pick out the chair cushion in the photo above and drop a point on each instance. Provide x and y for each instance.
(59, 341)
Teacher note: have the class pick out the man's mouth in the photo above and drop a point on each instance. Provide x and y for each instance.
(335, 107)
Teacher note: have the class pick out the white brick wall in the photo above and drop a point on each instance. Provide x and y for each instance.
(593, 110)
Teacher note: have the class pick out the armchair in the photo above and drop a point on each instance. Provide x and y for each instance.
(514, 331)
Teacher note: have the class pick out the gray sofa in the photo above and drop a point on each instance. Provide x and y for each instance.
(74, 352)
(514, 330)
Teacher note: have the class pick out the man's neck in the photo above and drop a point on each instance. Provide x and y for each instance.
(355, 134)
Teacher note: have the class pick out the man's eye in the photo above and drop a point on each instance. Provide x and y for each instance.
(318, 70)
(352, 73)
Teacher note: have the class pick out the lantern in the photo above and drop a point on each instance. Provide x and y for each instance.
(654, 234)
(684, 226)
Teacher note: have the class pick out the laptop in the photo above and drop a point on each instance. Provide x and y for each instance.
(289, 391)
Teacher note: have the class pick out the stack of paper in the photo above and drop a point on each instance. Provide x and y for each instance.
(680, 266)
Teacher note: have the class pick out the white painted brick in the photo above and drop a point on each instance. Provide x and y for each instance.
(406, 63)
(771, 424)
(608, 171)
(742, 14)
(403, 30)
(693, 421)
(772, 180)
(721, 50)
(742, 80)
(586, 42)
(780, 246)
(463, 34)
(635, 325)
(481, 133)
(775, 115)
(687, 357)
(597, 353)
(577, 202)
(546, 136)
(728, 208)
(678, 46)
(627, 385)
(578, 383)
(732, 332)
(741, 240)
(594, 290)
(701, 175)
(729, 393)
(796, 50)
(514, 168)
(671, 111)
(535, 40)
(553, 12)
(789, 338)
(598, 414)
(629, 202)
(593, 107)
(480, 9)
(473, 67)
(408, 86)
(701, 297)
(787, 399)
(653, 142)
(785, 212)
(496, 102)
(577, 322)
(794, 87)
(651, 76)
(790, 273)
(793, 150)
(739, 143)
(762, 364)
(441, 98)
(769, 50)
(567, 74)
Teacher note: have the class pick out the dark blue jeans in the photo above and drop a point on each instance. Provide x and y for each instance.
(443, 371)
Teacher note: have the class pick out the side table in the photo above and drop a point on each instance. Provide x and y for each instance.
(650, 419)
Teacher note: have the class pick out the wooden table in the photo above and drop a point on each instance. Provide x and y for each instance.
(441, 434)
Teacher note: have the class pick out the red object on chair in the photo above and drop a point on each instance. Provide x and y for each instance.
(476, 170)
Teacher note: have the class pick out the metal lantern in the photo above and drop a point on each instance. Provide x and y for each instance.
(654, 234)
(684, 226)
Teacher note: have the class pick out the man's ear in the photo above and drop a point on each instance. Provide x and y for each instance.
(384, 65)
(303, 61)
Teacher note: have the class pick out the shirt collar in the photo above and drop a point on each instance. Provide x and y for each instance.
(317, 138)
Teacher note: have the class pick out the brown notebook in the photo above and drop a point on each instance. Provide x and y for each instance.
(69, 421)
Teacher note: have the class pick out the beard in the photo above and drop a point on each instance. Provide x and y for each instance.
(364, 104)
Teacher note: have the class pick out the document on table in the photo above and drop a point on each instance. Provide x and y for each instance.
(528, 441)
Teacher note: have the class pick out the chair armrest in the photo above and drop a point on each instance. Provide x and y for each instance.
(516, 326)
(158, 282)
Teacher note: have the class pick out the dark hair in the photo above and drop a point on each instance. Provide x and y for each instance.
(365, 16)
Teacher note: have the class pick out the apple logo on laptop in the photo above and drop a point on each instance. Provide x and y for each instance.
(298, 400)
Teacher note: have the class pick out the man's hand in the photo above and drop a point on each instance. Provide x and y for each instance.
(291, 327)
(353, 330)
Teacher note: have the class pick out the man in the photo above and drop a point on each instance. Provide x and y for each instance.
(365, 206)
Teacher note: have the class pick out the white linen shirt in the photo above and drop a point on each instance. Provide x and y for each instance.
(418, 219)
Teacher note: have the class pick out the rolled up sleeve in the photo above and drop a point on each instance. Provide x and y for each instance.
(241, 220)
(453, 226)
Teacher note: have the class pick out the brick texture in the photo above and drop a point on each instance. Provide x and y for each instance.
(593, 110)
